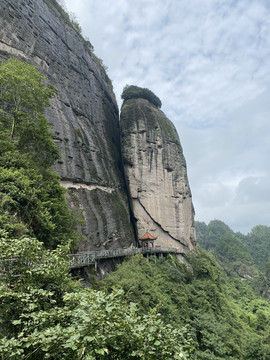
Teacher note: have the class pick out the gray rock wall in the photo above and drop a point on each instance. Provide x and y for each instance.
(83, 116)
(156, 173)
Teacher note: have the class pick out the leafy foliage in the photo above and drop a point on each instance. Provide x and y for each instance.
(135, 92)
(32, 201)
(240, 255)
(222, 315)
(23, 98)
(211, 233)
(47, 315)
(258, 244)
(234, 257)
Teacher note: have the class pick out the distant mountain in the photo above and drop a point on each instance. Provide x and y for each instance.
(208, 235)
(244, 256)
(227, 247)
(258, 245)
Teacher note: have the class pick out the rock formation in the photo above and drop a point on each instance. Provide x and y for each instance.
(85, 123)
(156, 173)
(83, 115)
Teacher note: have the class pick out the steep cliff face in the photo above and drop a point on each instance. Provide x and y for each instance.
(156, 173)
(83, 115)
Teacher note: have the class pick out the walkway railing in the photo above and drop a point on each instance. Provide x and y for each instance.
(89, 258)
(84, 259)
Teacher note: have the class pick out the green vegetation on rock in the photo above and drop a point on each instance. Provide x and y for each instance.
(63, 14)
(57, 6)
(23, 98)
(135, 92)
(32, 202)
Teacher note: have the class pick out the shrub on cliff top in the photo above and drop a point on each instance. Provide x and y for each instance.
(135, 92)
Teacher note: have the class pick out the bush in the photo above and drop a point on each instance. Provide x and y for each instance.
(135, 92)
(47, 315)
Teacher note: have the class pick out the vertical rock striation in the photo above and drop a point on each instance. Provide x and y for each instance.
(83, 115)
(156, 173)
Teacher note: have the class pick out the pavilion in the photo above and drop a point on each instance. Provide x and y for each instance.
(147, 241)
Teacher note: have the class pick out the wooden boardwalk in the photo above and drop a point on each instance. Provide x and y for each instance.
(84, 259)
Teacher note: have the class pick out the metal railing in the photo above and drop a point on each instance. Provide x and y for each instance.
(88, 258)
(84, 259)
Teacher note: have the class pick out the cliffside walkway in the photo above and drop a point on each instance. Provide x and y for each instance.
(84, 259)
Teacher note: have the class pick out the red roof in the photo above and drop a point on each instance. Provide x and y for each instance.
(147, 236)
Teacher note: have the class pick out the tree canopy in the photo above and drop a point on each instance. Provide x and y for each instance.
(135, 92)
(23, 99)
(45, 314)
(221, 314)
(32, 201)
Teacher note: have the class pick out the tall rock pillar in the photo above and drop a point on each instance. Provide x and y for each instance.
(156, 174)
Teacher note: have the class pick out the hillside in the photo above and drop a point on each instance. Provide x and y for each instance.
(244, 256)
(220, 315)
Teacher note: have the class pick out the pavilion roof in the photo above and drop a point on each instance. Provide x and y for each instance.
(147, 236)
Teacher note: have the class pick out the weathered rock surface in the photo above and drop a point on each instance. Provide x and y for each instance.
(83, 115)
(156, 173)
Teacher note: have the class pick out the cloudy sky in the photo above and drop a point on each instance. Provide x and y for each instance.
(209, 63)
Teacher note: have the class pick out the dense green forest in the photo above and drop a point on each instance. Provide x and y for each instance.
(213, 307)
(32, 202)
(221, 315)
(244, 256)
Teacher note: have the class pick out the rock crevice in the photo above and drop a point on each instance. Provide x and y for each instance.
(159, 225)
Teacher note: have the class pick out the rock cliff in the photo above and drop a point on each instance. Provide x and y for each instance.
(156, 173)
(83, 115)
(85, 123)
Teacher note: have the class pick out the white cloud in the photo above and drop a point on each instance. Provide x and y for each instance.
(208, 61)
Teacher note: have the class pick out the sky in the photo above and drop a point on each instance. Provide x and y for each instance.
(209, 63)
